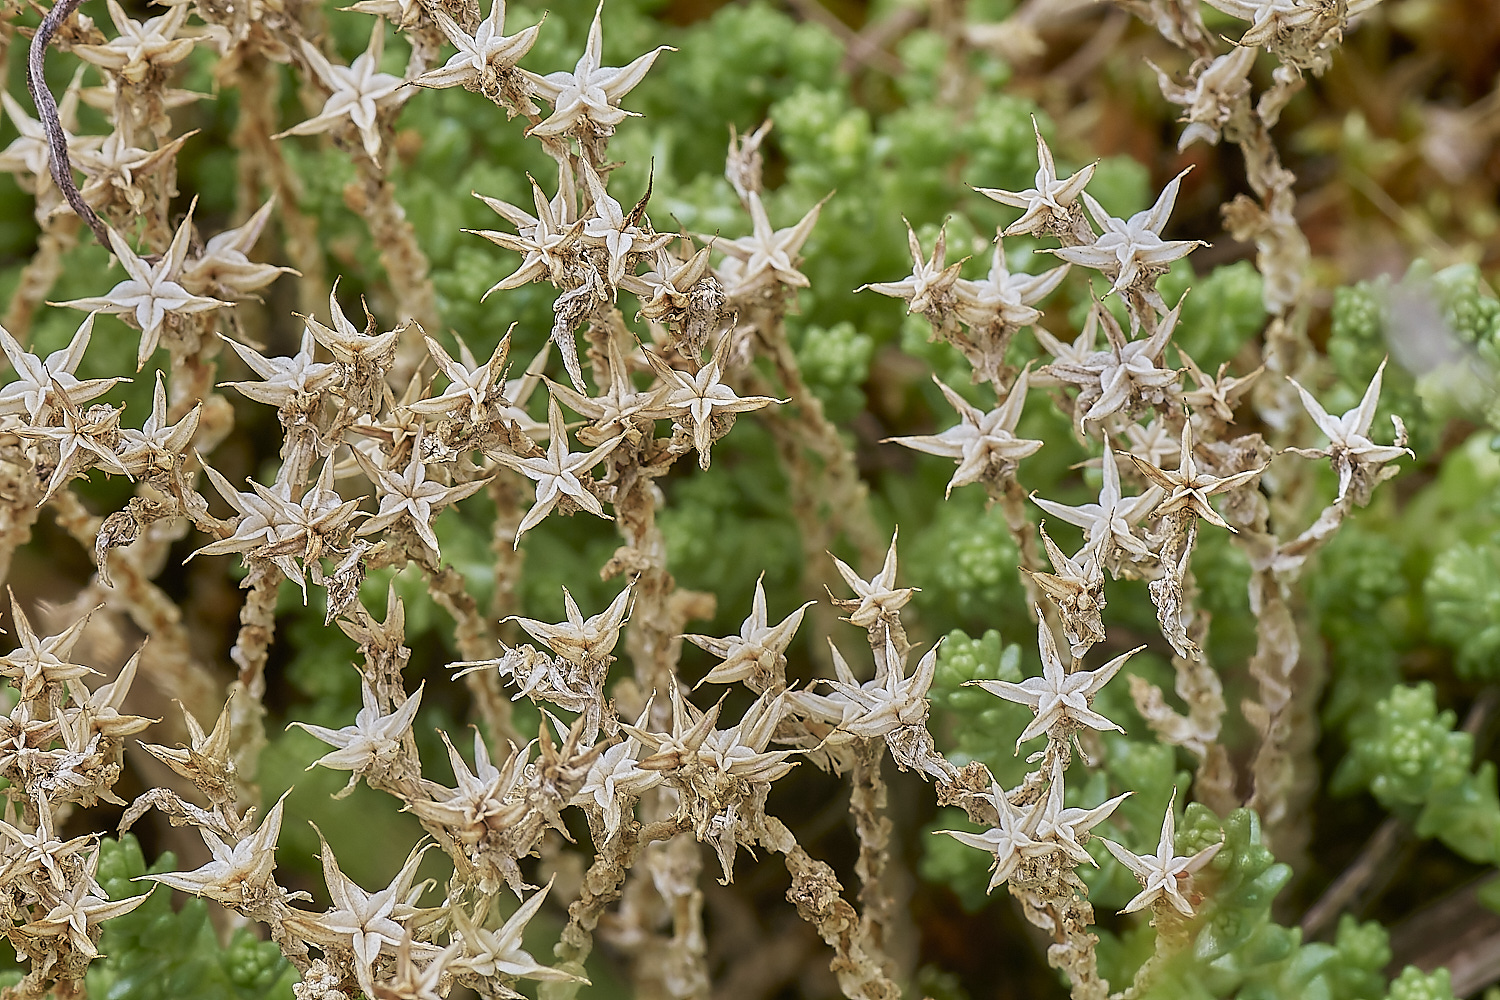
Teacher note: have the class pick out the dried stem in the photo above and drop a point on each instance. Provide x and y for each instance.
(46, 109)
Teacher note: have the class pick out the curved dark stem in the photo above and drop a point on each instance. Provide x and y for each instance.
(46, 109)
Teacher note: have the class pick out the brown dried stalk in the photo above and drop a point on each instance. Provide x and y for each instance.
(46, 109)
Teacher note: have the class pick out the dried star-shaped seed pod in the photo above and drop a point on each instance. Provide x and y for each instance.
(74, 918)
(152, 295)
(1057, 827)
(140, 49)
(1125, 377)
(485, 61)
(367, 923)
(932, 288)
(372, 742)
(1131, 251)
(37, 663)
(158, 449)
(101, 707)
(476, 392)
(757, 655)
(238, 875)
(223, 270)
(1076, 586)
(359, 93)
(1188, 489)
(206, 760)
(984, 444)
(619, 412)
(489, 955)
(1010, 842)
(1213, 93)
(483, 800)
(579, 641)
(32, 392)
(1163, 876)
(766, 260)
(1216, 395)
(557, 472)
(616, 780)
(1061, 700)
(586, 102)
(1107, 525)
(84, 439)
(614, 231)
(410, 496)
(1047, 207)
(1356, 458)
(877, 599)
(701, 397)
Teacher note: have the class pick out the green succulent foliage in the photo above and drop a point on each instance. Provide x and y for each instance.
(1414, 984)
(1416, 764)
(1358, 589)
(1236, 949)
(156, 953)
(1463, 605)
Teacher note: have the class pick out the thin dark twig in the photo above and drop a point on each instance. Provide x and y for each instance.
(46, 109)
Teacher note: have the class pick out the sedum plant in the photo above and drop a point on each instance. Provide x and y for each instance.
(686, 479)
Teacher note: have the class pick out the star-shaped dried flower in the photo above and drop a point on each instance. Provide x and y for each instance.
(205, 761)
(292, 382)
(1131, 250)
(1046, 206)
(152, 294)
(497, 954)
(888, 702)
(701, 397)
(1211, 95)
(371, 741)
(1010, 843)
(616, 780)
(557, 472)
(609, 414)
(1004, 299)
(1216, 394)
(32, 389)
(224, 271)
(115, 169)
(757, 655)
(1127, 375)
(1076, 586)
(359, 92)
(35, 663)
(578, 640)
(140, 49)
(550, 240)
(1057, 697)
(876, 599)
(931, 288)
(39, 850)
(767, 258)
(1061, 828)
(482, 801)
(101, 706)
(1188, 489)
(1107, 524)
(984, 444)
(78, 912)
(586, 102)
(1353, 453)
(476, 392)
(411, 495)
(1164, 875)
(485, 60)
(84, 439)
(238, 874)
(29, 153)
(368, 923)
(614, 230)
(158, 447)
